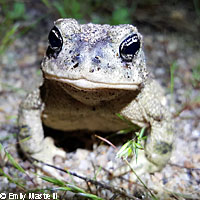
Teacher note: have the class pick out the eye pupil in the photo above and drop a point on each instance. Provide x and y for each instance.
(55, 39)
(55, 43)
(129, 47)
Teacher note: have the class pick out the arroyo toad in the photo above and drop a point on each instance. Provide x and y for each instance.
(91, 72)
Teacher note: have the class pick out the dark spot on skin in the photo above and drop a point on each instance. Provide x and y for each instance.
(111, 93)
(96, 60)
(163, 147)
(127, 66)
(76, 65)
(24, 126)
(159, 118)
(77, 57)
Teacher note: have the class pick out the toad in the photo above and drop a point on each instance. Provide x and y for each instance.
(90, 73)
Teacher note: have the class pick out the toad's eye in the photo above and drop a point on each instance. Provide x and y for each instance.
(129, 47)
(55, 43)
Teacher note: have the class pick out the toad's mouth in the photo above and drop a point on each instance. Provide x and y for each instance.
(86, 84)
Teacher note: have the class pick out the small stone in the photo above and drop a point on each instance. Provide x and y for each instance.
(81, 154)
(27, 60)
(196, 133)
(188, 164)
(83, 165)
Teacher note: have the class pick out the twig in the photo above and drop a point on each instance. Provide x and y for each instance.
(114, 197)
(183, 167)
(89, 188)
(105, 140)
(100, 184)
(187, 106)
(139, 179)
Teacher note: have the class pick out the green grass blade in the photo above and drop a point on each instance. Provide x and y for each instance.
(173, 67)
(12, 160)
(18, 11)
(78, 191)
(196, 75)
(1, 147)
(125, 150)
(125, 131)
(142, 132)
(60, 9)
(7, 39)
(53, 180)
(10, 179)
(46, 3)
(91, 196)
(75, 188)
(64, 188)
(15, 163)
(120, 116)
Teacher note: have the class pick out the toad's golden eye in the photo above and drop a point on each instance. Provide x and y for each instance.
(129, 47)
(55, 43)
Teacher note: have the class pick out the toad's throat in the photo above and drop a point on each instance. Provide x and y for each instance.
(88, 84)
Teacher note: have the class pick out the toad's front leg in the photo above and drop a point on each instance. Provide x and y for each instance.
(31, 135)
(150, 107)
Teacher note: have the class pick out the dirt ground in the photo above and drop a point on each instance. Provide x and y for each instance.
(170, 41)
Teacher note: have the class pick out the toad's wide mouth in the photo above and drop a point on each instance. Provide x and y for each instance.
(85, 84)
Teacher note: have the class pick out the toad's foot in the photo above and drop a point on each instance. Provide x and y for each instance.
(46, 155)
(142, 166)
